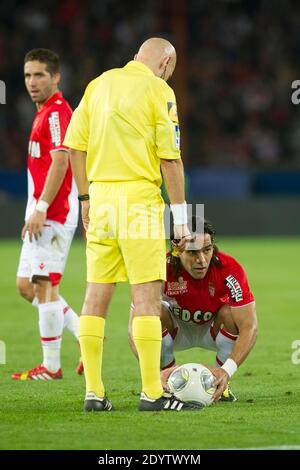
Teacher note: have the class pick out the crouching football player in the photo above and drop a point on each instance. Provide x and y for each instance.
(207, 304)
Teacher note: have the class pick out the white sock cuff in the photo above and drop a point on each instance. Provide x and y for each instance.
(227, 335)
(50, 306)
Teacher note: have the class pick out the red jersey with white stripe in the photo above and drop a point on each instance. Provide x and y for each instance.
(199, 300)
(47, 134)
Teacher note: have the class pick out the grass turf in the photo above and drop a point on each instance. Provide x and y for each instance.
(47, 415)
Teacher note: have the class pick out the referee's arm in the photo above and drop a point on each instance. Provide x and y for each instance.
(78, 165)
(172, 171)
(173, 174)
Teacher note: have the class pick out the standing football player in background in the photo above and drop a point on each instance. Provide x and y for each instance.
(207, 304)
(51, 213)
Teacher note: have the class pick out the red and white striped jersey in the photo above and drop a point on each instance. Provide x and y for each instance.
(47, 134)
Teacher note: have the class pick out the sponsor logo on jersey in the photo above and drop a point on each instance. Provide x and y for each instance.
(211, 289)
(234, 287)
(55, 129)
(197, 317)
(175, 288)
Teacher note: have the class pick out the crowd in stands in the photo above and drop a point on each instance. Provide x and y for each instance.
(242, 57)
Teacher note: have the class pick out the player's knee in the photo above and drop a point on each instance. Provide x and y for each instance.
(223, 314)
(166, 317)
(224, 319)
(25, 289)
(42, 290)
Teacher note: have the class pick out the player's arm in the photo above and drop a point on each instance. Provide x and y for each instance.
(55, 176)
(242, 306)
(245, 319)
(54, 180)
(246, 323)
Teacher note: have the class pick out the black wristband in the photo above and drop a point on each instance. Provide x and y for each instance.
(84, 197)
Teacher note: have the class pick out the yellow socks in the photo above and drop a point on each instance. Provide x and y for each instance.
(146, 332)
(91, 334)
(147, 337)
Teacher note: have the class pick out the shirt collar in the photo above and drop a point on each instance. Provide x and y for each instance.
(51, 100)
(135, 64)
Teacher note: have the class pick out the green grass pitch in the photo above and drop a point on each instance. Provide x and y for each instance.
(47, 415)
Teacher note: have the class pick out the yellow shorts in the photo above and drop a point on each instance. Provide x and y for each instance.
(126, 237)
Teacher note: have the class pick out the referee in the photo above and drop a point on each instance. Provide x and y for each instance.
(122, 136)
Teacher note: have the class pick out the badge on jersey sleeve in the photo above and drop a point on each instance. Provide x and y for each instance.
(172, 111)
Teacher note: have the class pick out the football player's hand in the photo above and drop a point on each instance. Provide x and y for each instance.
(221, 381)
(34, 225)
(164, 375)
(85, 208)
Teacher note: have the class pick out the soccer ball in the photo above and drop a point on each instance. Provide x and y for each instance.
(192, 383)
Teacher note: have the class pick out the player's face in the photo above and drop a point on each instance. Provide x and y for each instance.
(197, 256)
(39, 82)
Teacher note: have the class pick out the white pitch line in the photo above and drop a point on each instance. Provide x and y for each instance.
(295, 447)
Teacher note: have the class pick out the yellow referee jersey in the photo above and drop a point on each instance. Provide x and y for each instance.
(126, 122)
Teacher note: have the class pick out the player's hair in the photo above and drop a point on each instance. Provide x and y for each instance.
(45, 56)
(207, 228)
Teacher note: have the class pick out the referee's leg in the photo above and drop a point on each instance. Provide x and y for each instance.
(147, 335)
(91, 334)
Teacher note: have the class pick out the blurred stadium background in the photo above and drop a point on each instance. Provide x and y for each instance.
(236, 62)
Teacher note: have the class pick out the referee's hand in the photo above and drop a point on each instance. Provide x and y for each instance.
(85, 208)
(181, 236)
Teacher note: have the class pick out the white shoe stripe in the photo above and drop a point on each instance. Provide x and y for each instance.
(174, 405)
(46, 376)
(180, 406)
(92, 396)
(144, 397)
(40, 376)
(34, 377)
(167, 405)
